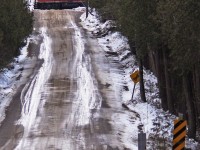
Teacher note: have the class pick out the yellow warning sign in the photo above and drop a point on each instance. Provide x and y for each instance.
(179, 134)
(135, 76)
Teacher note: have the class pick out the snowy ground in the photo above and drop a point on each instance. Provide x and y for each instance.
(9, 78)
(31, 4)
(152, 120)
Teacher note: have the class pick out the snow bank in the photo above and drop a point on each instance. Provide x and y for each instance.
(31, 94)
(9, 80)
(31, 4)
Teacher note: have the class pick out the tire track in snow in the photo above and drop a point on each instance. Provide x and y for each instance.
(31, 94)
(87, 97)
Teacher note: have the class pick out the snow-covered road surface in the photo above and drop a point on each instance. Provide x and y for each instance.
(72, 102)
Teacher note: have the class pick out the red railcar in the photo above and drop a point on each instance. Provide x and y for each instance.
(58, 4)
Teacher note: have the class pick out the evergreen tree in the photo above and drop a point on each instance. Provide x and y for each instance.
(15, 26)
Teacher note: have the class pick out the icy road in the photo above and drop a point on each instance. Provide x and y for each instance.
(67, 102)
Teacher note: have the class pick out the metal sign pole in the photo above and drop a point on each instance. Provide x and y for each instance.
(133, 92)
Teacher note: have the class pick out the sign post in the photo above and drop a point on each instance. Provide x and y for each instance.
(133, 92)
(135, 78)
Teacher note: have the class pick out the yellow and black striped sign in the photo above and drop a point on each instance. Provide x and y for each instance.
(179, 134)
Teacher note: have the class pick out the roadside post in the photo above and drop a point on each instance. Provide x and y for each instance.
(142, 141)
(179, 133)
(135, 78)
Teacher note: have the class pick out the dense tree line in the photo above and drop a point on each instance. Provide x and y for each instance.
(165, 36)
(15, 26)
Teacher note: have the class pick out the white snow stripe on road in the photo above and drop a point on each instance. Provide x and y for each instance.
(31, 101)
(88, 96)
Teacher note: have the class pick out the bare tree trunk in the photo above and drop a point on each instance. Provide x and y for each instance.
(197, 72)
(152, 61)
(196, 86)
(190, 107)
(161, 79)
(167, 83)
(142, 89)
(87, 8)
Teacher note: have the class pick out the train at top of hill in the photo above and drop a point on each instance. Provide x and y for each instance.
(58, 4)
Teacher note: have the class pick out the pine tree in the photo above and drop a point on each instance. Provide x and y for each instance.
(15, 26)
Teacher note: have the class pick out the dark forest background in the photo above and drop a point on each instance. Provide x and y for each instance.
(15, 26)
(165, 36)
